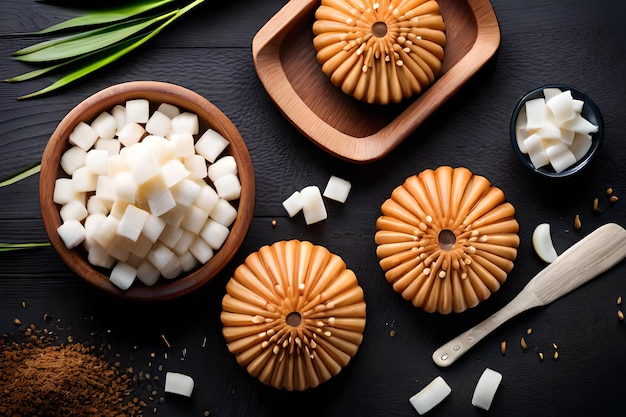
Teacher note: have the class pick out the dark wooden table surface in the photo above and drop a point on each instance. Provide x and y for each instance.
(577, 42)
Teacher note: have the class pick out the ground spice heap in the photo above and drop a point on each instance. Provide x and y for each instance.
(69, 380)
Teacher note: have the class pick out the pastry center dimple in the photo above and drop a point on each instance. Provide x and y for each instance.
(294, 319)
(379, 29)
(447, 239)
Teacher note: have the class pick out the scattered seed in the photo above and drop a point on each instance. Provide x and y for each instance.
(17, 322)
(554, 345)
(609, 191)
(503, 347)
(529, 330)
(577, 223)
(556, 355)
(613, 199)
(23, 304)
(540, 354)
(274, 222)
(523, 343)
(206, 414)
(620, 315)
(596, 207)
(70, 339)
(619, 300)
(392, 333)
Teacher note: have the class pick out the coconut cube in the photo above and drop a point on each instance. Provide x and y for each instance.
(186, 192)
(119, 114)
(223, 213)
(118, 208)
(147, 273)
(210, 145)
(123, 275)
(186, 122)
(187, 261)
(137, 110)
(98, 205)
(116, 164)
(72, 233)
(170, 235)
(195, 219)
(536, 150)
(214, 234)
(63, 191)
(105, 188)
(208, 198)
(168, 109)
(183, 244)
(337, 189)
(130, 134)
(312, 205)
(560, 156)
(159, 124)
(105, 125)
(141, 247)
(580, 145)
(201, 250)
(536, 113)
(183, 144)
(91, 223)
(106, 232)
(112, 146)
(173, 172)
(83, 180)
(162, 149)
(74, 210)
(162, 257)
(223, 166)
(562, 106)
(99, 256)
(196, 165)
(179, 384)
(132, 222)
(83, 136)
(72, 159)
(228, 187)
(175, 216)
(153, 227)
(125, 187)
(172, 269)
(293, 204)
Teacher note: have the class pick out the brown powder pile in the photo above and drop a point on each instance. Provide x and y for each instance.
(69, 380)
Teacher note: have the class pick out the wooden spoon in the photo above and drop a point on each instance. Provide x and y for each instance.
(588, 258)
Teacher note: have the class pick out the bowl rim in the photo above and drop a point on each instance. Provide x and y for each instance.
(597, 138)
(188, 100)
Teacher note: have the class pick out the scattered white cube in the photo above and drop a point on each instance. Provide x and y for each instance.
(293, 204)
(337, 189)
(430, 396)
(312, 204)
(486, 388)
(179, 384)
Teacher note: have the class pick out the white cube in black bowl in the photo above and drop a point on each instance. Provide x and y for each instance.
(583, 148)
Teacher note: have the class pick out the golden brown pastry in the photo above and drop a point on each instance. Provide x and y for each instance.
(380, 51)
(446, 239)
(293, 315)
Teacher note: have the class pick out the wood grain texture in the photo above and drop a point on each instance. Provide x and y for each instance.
(572, 41)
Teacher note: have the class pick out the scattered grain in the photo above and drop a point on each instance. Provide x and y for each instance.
(577, 223)
(274, 223)
(609, 191)
(619, 300)
(596, 206)
(392, 333)
(167, 343)
(523, 344)
(17, 322)
(540, 354)
(556, 355)
(503, 347)
(620, 315)
(23, 304)
(529, 330)
(554, 345)
(613, 199)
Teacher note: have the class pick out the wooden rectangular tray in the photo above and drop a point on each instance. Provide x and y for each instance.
(284, 59)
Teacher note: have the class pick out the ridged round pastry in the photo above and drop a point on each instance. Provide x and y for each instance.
(446, 239)
(380, 51)
(293, 315)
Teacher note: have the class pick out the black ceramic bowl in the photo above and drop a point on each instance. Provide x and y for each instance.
(590, 111)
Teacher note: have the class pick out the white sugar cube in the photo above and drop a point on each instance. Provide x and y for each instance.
(147, 273)
(185, 122)
(83, 136)
(337, 189)
(130, 134)
(74, 210)
(183, 244)
(72, 233)
(132, 222)
(137, 110)
(214, 234)
(105, 188)
(162, 257)
(169, 110)
(211, 144)
(293, 204)
(98, 205)
(223, 213)
(159, 124)
(187, 261)
(83, 180)
(72, 159)
(123, 275)
(312, 205)
(97, 161)
(183, 144)
(201, 250)
(170, 235)
(111, 146)
(119, 114)
(153, 227)
(105, 125)
(99, 256)
(186, 192)
(63, 191)
(223, 166)
(207, 199)
(194, 219)
(196, 165)
(173, 172)
(228, 187)
(125, 187)
(177, 383)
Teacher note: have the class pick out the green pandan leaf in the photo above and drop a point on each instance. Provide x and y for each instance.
(115, 14)
(25, 173)
(8, 247)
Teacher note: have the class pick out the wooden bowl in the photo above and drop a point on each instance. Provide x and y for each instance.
(284, 58)
(209, 116)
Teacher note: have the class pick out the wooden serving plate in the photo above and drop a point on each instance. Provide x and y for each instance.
(284, 59)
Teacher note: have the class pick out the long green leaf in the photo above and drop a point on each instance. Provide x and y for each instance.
(98, 39)
(106, 16)
(93, 66)
(21, 175)
(8, 247)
